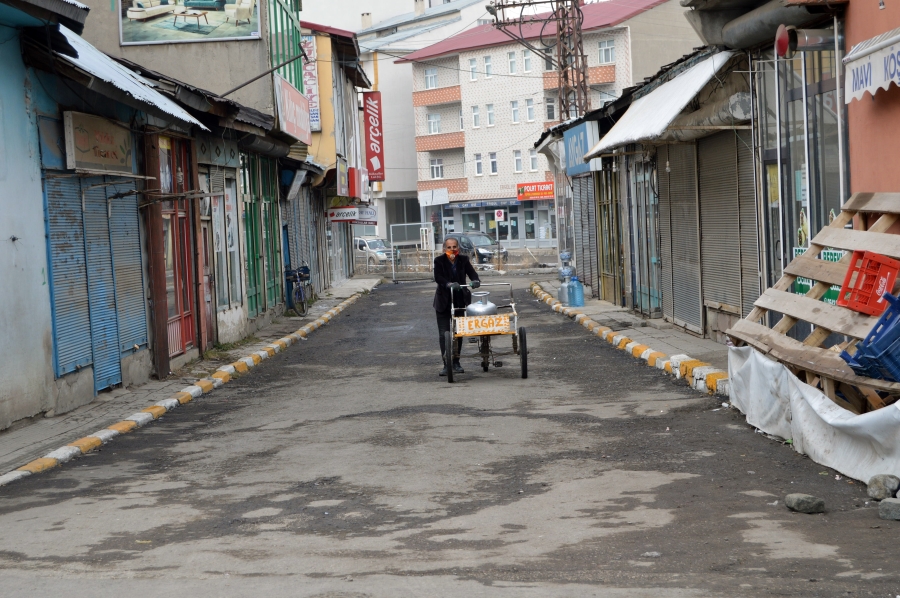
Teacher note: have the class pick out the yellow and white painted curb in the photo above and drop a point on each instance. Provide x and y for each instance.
(223, 375)
(699, 375)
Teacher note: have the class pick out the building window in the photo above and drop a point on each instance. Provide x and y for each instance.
(607, 51)
(434, 124)
(517, 158)
(511, 56)
(532, 156)
(488, 71)
(483, 21)
(529, 110)
(526, 60)
(476, 117)
(548, 63)
(461, 123)
(493, 160)
(430, 78)
(479, 167)
(515, 111)
(437, 168)
(551, 108)
(490, 115)
(473, 69)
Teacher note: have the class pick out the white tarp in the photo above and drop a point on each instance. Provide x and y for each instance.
(872, 65)
(93, 61)
(778, 403)
(649, 116)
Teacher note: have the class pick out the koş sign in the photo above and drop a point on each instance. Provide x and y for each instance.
(579, 141)
(374, 131)
(872, 72)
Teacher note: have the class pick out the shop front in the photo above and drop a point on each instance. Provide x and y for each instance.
(529, 224)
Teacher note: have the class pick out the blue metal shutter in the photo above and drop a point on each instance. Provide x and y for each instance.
(125, 238)
(101, 287)
(68, 275)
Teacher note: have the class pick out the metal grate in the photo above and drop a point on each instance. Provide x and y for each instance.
(125, 238)
(685, 237)
(665, 226)
(750, 268)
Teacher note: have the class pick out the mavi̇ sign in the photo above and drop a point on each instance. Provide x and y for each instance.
(578, 141)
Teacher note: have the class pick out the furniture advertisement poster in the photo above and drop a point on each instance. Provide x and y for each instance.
(176, 21)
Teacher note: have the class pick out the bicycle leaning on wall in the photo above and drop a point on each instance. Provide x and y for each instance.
(301, 294)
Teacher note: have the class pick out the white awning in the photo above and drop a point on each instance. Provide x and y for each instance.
(649, 116)
(96, 63)
(872, 65)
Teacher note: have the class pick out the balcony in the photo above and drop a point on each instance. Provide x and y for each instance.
(452, 185)
(602, 75)
(436, 97)
(441, 141)
(596, 75)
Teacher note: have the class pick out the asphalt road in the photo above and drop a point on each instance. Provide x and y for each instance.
(344, 467)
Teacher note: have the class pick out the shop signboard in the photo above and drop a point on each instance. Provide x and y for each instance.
(293, 110)
(434, 197)
(144, 22)
(366, 215)
(535, 191)
(374, 132)
(343, 214)
(343, 178)
(803, 285)
(578, 141)
(311, 81)
(96, 144)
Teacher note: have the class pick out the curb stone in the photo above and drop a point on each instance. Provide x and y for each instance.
(222, 376)
(698, 374)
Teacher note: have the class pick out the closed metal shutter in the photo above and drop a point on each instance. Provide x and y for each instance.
(577, 218)
(685, 237)
(68, 275)
(592, 276)
(125, 238)
(665, 233)
(750, 269)
(101, 287)
(720, 220)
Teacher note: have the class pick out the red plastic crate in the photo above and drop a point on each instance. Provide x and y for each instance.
(868, 278)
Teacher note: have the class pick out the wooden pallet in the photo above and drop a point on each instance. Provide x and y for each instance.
(816, 365)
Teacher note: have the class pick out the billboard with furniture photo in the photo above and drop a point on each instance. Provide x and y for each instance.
(175, 21)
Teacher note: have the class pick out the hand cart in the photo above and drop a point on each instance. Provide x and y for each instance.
(485, 327)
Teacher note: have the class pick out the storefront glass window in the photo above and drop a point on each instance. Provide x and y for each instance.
(471, 221)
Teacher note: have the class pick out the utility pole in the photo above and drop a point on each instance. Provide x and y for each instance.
(555, 34)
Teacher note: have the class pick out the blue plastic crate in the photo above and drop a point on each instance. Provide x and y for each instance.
(861, 366)
(885, 332)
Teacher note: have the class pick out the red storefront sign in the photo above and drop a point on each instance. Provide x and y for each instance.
(359, 183)
(374, 130)
(293, 110)
(535, 191)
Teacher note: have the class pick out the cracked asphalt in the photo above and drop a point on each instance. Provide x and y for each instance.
(345, 467)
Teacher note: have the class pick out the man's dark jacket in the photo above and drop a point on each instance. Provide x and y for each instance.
(443, 274)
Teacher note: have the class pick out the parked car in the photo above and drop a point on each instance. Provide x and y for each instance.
(478, 247)
(375, 251)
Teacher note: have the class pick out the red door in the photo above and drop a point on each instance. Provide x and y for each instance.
(175, 177)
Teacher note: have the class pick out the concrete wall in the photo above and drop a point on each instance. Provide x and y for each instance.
(873, 122)
(659, 36)
(323, 146)
(214, 66)
(26, 339)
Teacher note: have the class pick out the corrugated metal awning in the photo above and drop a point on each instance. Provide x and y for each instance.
(649, 116)
(872, 65)
(99, 65)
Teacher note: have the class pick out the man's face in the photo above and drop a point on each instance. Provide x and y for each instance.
(451, 247)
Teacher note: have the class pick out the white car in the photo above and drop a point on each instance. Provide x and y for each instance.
(375, 251)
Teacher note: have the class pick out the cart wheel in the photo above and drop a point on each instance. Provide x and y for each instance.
(484, 367)
(523, 352)
(448, 357)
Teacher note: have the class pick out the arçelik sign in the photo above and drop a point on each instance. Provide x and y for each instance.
(353, 214)
(374, 131)
(535, 191)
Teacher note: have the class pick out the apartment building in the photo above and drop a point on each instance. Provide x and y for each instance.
(482, 100)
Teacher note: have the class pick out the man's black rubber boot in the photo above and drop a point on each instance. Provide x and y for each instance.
(444, 371)
(457, 369)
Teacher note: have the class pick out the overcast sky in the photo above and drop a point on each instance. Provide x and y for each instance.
(345, 14)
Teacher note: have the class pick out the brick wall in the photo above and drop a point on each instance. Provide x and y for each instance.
(432, 97)
(452, 185)
(441, 141)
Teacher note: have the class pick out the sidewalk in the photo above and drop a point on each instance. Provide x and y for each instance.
(660, 336)
(30, 439)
